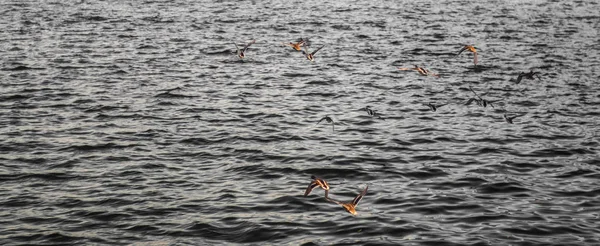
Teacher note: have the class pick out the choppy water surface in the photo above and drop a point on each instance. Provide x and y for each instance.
(96, 148)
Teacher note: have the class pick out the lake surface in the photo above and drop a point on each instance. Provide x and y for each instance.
(134, 122)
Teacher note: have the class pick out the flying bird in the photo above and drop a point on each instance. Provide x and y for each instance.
(371, 112)
(509, 119)
(311, 56)
(328, 120)
(434, 107)
(531, 75)
(241, 53)
(420, 70)
(350, 207)
(480, 101)
(317, 182)
(471, 48)
(298, 44)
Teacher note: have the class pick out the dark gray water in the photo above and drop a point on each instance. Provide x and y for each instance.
(96, 149)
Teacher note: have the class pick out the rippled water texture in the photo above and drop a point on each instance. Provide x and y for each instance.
(133, 122)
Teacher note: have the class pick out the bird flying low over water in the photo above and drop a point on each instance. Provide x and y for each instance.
(531, 75)
(350, 207)
(472, 49)
(509, 119)
(434, 107)
(329, 120)
(485, 103)
(298, 44)
(311, 56)
(480, 101)
(371, 112)
(473, 99)
(317, 182)
(420, 70)
(241, 53)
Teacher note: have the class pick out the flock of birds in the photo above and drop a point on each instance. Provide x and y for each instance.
(302, 45)
(298, 45)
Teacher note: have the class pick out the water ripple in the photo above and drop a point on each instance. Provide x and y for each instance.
(135, 123)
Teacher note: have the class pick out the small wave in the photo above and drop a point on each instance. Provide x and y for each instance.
(97, 147)
(15, 97)
(559, 152)
(543, 230)
(239, 232)
(575, 173)
(57, 238)
(502, 187)
(425, 173)
(297, 75)
(337, 172)
(203, 141)
(22, 68)
(169, 94)
(48, 176)
(477, 219)
(578, 193)
(103, 215)
(317, 94)
(460, 183)
(102, 108)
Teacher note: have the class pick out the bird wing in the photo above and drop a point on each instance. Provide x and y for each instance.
(248, 45)
(334, 201)
(475, 58)
(322, 119)
(311, 187)
(520, 78)
(322, 183)
(470, 101)
(520, 115)
(305, 51)
(305, 41)
(237, 48)
(461, 50)
(471, 88)
(360, 196)
(315, 52)
(290, 44)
